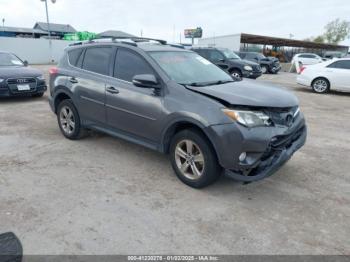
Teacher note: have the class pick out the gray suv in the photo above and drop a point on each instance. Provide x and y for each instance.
(176, 102)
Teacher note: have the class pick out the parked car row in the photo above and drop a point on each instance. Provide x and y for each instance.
(230, 62)
(267, 64)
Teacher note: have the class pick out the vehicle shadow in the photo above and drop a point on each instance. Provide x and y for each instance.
(331, 92)
(22, 99)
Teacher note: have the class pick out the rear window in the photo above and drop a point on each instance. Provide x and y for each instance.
(97, 59)
(74, 56)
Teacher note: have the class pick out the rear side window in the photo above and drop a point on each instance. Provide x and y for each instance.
(97, 59)
(307, 56)
(215, 55)
(345, 64)
(242, 55)
(202, 52)
(74, 56)
(128, 64)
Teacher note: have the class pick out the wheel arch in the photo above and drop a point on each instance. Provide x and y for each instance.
(61, 95)
(233, 68)
(181, 125)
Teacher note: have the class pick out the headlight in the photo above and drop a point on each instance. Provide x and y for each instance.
(41, 78)
(248, 68)
(248, 118)
(1, 79)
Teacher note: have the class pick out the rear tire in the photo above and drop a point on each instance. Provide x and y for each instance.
(69, 120)
(194, 159)
(320, 85)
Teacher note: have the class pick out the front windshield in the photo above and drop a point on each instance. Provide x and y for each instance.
(189, 68)
(7, 59)
(229, 54)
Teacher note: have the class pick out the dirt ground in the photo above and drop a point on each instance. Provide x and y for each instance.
(102, 195)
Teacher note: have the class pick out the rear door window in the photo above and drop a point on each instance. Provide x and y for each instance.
(97, 59)
(129, 64)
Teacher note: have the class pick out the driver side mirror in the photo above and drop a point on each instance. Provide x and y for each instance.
(25, 63)
(145, 81)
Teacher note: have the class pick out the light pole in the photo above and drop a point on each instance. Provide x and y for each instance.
(48, 25)
(3, 24)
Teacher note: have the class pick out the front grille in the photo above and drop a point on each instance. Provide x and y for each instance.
(283, 116)
(19, 81)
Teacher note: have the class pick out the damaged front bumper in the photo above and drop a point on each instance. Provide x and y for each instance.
(266, 148)
(276, 158)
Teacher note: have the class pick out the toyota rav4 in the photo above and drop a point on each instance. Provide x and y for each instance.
(175, 101)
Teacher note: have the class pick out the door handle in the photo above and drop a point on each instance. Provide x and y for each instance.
(73, 80)
(112, 90)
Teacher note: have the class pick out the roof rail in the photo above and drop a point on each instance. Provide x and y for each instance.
(124, 40)
(141, 39)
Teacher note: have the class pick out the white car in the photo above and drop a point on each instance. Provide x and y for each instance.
(333, 74)
(308, 58)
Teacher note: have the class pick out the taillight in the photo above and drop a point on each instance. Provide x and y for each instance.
(302, 70)
(53, 71)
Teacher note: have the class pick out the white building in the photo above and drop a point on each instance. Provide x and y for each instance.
(232, 42)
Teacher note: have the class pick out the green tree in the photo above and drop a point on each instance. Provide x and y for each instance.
(319, 39)
(337, 31)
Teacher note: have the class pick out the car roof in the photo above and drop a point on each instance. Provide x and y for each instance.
(306, 54)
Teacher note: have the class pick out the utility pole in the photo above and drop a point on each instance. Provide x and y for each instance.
(3, 24)
(48, 26)
(174, 29)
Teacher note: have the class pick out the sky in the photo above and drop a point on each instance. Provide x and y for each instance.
(161, 18)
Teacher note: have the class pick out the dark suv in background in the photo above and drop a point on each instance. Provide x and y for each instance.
(176, 102)
(268, 64)
(230, 62)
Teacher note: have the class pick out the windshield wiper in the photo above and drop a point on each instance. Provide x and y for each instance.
(198, 84)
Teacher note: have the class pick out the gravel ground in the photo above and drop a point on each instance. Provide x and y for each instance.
(102, 195)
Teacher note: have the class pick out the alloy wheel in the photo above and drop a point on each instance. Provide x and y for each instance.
(189, 159)
(236, 75)
(320, 85)
(67, 120)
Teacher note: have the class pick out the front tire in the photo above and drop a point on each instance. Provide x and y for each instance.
(264, 69)
(320, 85)
(236, 74)
(193, 159)
(69, 120)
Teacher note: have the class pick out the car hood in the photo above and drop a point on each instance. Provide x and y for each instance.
(249, 93)
(243, 62)
(18, 71)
